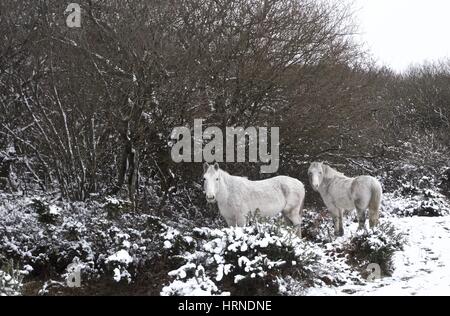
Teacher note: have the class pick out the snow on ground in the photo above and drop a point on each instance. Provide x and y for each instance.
(423, 268)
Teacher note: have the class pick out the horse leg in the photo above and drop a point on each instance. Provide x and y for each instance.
(295, 216)
(335, 224)
(241, 221)
(341, 223)
(361, 218)
(231, 221)
(338, 227)
(238, 221)
(374, 216)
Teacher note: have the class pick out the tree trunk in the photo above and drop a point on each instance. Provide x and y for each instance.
(133, 176)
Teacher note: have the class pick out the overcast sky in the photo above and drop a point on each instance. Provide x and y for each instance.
(404, 32)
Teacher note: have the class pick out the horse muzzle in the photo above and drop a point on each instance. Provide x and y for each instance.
(211, 199)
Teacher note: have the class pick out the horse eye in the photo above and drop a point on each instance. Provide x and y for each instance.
(217, 179)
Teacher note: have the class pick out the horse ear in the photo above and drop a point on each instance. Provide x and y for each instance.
(216, 166)
(325, 169)
(205, 167)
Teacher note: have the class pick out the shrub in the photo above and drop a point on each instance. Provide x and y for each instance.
(375, 246)
(433, 205)
(417, 202)
(241, 261)
(112, 249)
(10, 280)
(445, 182)
(116, 207)
(47, 213)
(317, 227)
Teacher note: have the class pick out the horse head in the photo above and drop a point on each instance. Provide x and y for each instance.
(211, 181)
(316, 174)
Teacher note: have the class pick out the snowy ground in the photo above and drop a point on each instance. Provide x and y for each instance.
(423, 268)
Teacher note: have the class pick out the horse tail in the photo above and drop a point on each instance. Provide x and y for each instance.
(375, 203)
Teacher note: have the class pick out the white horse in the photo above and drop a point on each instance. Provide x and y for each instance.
(341, 193)
(237, 197)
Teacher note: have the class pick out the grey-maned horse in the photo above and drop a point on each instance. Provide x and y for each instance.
(237, 197)
(341, 193)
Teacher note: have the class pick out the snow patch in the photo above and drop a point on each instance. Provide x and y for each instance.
(122, 256)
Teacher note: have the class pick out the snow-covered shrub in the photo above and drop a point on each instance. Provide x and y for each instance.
(408, 176)
(433, 205)
(10, 280)
(241, 261)
(115, 207)
(375, 246)
(198, 285)
(120, 261)
(317, 226)
(47, 213)
(289, 286)
(409, 190)
(416, 202)
(444, 184)
(83, 234)
(397, 175)
(176, 244)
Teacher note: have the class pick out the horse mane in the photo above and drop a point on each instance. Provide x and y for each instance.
(332, 173)
(228, 175)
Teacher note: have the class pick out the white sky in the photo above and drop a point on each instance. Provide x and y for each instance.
(404, 32)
